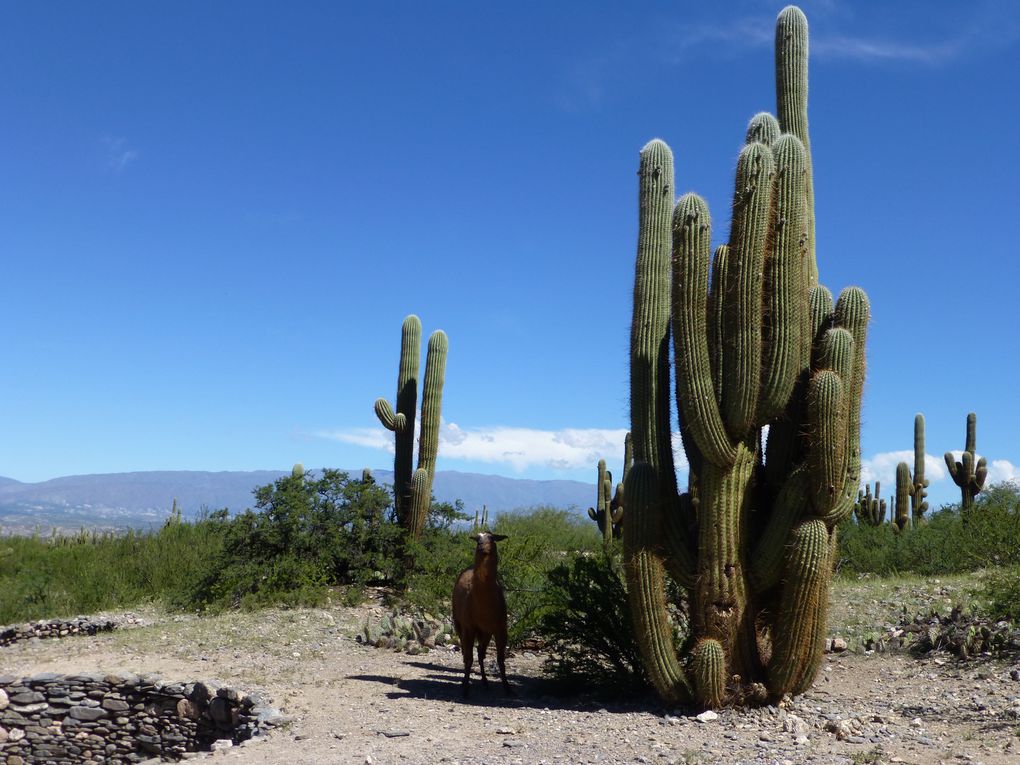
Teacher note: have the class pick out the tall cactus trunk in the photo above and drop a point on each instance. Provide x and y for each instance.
(752, 539)
(918, 503)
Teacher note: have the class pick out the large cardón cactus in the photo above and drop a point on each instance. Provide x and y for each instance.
(759, 344)
(412, 492)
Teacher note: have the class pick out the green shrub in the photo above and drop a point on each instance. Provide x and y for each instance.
(537, 541)
(307, 534)
(943, 544)
(47, 577)
(587, 625)
(1001, 591)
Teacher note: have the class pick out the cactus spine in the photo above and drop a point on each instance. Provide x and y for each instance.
(753, 537)
(870, 509)
(412, 492)
(968, 474)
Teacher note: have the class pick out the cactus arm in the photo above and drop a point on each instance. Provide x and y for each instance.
(796, 643)
(695, 392)
(390, 420)
(428, 441)
(646, 586)
(742, 325)
(791, 107)
(767, 560)
(708, 668)
(785, 291)
(822, 310)
(717, 307)
(421, 498)
(852, 312)
(762, 128)
(954, 467)
(827, 455)
(649, 363)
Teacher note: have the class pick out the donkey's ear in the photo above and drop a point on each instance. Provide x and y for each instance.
(474, 537)
(498, 537)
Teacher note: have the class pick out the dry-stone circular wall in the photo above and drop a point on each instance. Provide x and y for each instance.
(64, 719)
(54, 628)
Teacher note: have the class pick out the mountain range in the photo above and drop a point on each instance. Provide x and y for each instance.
(142, 500)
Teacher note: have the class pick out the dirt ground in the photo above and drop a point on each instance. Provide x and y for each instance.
(351, 703)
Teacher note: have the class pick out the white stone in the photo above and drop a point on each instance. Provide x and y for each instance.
(708, 716)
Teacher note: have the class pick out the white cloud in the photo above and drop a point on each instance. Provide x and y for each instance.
(882, 467)
(1002, 470)
(521, 448)
(118, 154)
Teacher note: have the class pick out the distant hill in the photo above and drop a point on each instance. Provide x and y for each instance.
(143, 499)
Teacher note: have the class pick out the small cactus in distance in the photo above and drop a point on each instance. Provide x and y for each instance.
(870, 509)
(919, 484)
(297, 471)
(366, 476)
(968, 474)
(603, 512)
(609, 502)
(481, 522)
(903, 492)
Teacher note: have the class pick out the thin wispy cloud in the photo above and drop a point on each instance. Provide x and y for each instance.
(519, 448)
(118, 154)
(990, 23)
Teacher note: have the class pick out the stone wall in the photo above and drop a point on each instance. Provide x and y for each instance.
(64, 719)
(54, 628)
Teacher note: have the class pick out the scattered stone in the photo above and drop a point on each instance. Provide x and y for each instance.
(708, 716)
(395, 733)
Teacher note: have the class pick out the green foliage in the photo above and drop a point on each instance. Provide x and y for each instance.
(1001, 590)
(307, 533)
(47, 577)
(587, 624)
(537, 540)
(946, 544)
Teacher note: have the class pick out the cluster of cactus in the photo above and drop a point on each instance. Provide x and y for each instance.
(609, 502)
(870, 509)
(969, 473)
(752, 540)
(412, 492)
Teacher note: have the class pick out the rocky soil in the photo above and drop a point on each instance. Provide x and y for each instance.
(348, 702)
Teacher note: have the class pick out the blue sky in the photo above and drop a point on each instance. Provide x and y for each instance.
(215, 216)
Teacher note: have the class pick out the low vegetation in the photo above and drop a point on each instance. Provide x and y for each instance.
(320, 536)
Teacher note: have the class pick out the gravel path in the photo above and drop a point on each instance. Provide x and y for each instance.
(350, 703)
